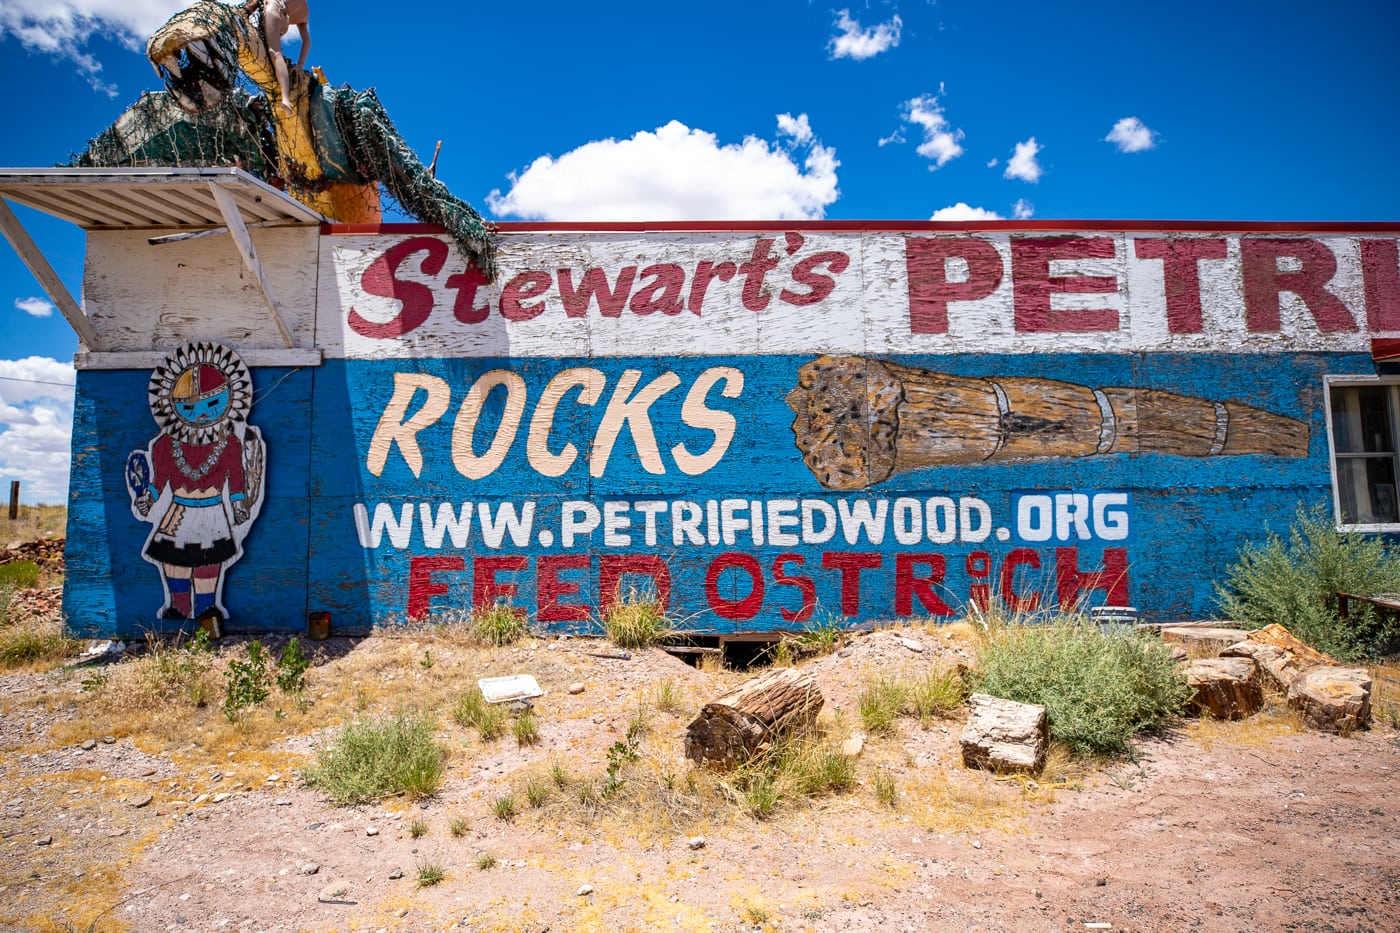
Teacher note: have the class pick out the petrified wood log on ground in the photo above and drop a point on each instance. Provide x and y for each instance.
(738, 724)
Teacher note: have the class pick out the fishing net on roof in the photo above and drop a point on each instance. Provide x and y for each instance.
(214, 114)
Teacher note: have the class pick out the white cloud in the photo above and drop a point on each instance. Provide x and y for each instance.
(860, 44)
(38, 307)
(62, 28)
(1022, 209)
(36, 426)
(993, 162)
(1131, 135)
(798, 128)
(964, 211)
(941, 143)
(1022, 164)
(678, 173)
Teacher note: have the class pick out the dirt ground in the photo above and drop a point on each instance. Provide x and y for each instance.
(1222, 827)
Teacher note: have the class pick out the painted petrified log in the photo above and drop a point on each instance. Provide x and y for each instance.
(860, 421)
(1226, 688)
(1003, 735)
(740, 723)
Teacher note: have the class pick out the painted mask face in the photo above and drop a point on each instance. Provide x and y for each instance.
(203, 410)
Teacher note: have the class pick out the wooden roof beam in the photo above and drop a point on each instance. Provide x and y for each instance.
(58, 293)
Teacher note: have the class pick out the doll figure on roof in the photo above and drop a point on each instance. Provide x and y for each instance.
(199, 482)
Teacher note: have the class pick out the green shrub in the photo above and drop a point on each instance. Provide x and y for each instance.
(1294, 581)
(291, 667)
(1098, 689)
(19, 575)
(247, 682)
(373, 758)
(636, 621)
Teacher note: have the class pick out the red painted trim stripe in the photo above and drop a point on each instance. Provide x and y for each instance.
(1385, 348)
(894, 226)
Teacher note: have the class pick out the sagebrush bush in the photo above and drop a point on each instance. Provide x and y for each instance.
(1294, 581)
(1099, 689)
(372, 758)
(635, 621)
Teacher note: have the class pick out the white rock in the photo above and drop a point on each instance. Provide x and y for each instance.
(220, 798)
(371, 830)
(696, 842)
(912, 645)
(576, 687)
(584, 890)
(1002, 735)
(334, 893)
(310, 868)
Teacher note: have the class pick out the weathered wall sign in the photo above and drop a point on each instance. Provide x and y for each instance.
(767, 427)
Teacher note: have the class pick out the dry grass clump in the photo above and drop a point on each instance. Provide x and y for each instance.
(635, 620)
(32, 642)
(932, 694)
(499, 625)
(372, 758)
(1385, 693)
(182, 672)
(33, 522)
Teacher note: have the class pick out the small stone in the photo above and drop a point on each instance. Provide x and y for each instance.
(220, 798)
(48, 841)
(142, 800)
(696, 842)
(334, 893)
(401, 912)
(551, 646)
(281, 802)
(310, 868)
(584, 890)
(89, 744)
(371, 830)
(576, 687)
(853, 746)
(395, 874)
(149, 772)
(201, 799)
(912, 645)
(216, 777)
(272, 778)
(108, 739)
(977, 843)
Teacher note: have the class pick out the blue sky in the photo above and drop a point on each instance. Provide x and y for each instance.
(786, 109)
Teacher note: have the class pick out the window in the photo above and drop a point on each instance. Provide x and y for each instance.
(1363, 421)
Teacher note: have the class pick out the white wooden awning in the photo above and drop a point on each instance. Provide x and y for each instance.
(180, 202)
(138, 198)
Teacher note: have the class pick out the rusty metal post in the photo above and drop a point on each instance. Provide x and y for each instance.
(14, 499)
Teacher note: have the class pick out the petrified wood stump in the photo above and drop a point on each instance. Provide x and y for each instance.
(738, 724)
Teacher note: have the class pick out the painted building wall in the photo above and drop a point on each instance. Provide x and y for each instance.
(766, 427)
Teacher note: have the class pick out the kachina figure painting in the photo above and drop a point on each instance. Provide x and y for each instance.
(199, 482)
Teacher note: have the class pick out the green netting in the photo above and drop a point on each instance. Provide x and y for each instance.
(155, 132)
(379, 152)
(355, 140)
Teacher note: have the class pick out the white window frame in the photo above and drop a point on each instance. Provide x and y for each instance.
(1359, 381)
